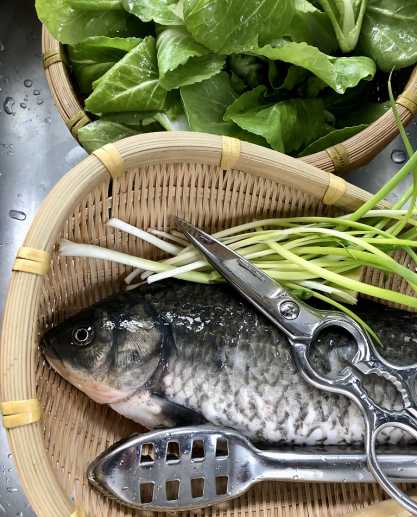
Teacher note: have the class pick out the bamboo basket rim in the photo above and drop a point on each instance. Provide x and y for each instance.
(341, 158)
(18, 339)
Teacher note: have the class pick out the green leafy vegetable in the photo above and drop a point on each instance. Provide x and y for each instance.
(70, 25)
(132, 119)
(389, 33)
(265, 71)
(173, 117)
(183, 61)
(295, 76)
(101, 132)
(230, 26)
(287, 125)
(250, 69)
(91, 58)
(164, 12)
(346, 17)
(97, 5)
(366, 114)
(334, 137)
(339, 73)
(205, 104)
(132, 84)
(312, 26)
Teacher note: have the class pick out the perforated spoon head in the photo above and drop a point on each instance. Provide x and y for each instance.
(176, 469)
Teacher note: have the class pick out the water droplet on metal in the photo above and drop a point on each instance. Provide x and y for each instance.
(17, 214)
(48, 120)
(28, 83)
(36, 92)
(10, 455)
(23, 105)
(9, 149)
(40, 101)
(398, 156)
(8, 105)
(1, 46)
(12, 490)
(19, 514)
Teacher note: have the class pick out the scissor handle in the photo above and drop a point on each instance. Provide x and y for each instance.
(349, 383)
(366, 361)
(375, 468)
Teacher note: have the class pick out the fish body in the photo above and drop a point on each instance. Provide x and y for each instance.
(179, 353)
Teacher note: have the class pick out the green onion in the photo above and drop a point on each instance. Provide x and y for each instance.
(313, 256)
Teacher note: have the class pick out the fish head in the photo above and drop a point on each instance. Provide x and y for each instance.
(107, 351)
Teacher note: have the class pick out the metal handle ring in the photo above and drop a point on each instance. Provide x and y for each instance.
(374, 466)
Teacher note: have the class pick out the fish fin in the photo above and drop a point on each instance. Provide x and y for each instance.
(178, 414)
(153, 411)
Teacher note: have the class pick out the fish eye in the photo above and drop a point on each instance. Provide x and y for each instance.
(83, 336)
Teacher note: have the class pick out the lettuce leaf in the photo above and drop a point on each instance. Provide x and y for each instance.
(91, 58)
(97, 5)
(389, 33)
(251, 69)
(183, 61)
(132, 84)
(164, 12)
(332, 138)
(312, 26)
(132, 119)
(70, 25)
(367, 113)
(286, 125)
(101, 132)
(205, 104)
(346, 17)
(340, 73)
(230, 26)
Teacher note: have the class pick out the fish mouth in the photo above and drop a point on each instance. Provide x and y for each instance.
(51, 355)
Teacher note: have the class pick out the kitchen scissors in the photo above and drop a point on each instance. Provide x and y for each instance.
(302, 324)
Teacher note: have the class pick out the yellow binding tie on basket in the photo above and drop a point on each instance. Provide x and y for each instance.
(51, 57)
(339, 156)
(408, 99)
(31, 260)
(230, 152)
(111, 159)
(20, 412)
(78, 513)
(335, 190)
(76, 122)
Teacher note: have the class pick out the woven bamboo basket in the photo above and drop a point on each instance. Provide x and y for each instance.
(341, 158)
(54, 430)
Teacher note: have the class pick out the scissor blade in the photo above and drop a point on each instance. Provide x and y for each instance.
(257, 287)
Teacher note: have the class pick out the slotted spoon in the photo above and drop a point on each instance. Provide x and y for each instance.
(192, 467)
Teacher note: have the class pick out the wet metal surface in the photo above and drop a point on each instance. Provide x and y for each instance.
(36, 149)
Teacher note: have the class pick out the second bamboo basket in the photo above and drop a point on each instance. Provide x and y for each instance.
(341, 158)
